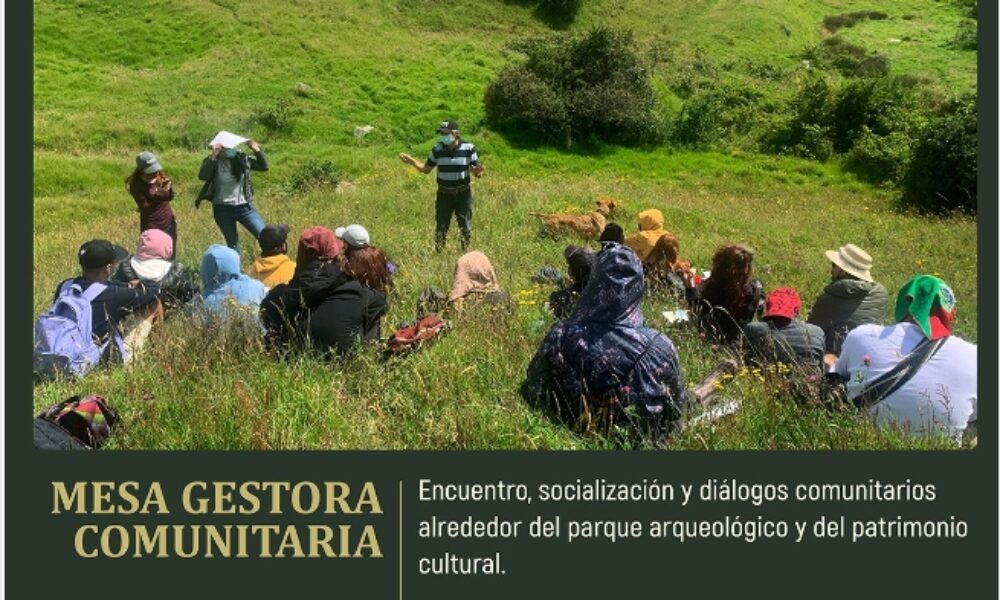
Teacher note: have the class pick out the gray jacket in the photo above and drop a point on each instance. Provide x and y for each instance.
(845, 304)
(241, 164)
(789, 341)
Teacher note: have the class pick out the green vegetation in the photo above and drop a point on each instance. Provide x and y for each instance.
(174, 73)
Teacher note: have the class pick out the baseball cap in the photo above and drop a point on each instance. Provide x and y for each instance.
(355, 235)
(273, 237)
(100, 253)
(148, 163)
(446, 126)
(783, 302)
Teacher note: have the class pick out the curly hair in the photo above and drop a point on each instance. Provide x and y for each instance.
(732, 268)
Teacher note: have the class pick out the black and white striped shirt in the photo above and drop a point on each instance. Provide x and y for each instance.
(453, 165)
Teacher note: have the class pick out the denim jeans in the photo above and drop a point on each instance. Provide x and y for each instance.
(226, 217)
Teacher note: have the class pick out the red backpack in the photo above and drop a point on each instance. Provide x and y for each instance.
(412, 337)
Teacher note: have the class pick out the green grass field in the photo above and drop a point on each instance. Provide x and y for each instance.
(174, 73)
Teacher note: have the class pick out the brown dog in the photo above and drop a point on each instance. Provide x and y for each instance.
(588, 226)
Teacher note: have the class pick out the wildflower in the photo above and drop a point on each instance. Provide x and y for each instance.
(867, 359)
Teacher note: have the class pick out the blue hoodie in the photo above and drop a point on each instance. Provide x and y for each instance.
(223, 284)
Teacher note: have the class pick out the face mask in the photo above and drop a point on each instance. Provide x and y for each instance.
(230, 152)
(447, 139)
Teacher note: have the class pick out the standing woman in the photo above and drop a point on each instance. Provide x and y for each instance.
(152, 191)
(226, 173)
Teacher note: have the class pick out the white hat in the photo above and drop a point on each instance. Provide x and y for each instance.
(355, 235)
(852, 259)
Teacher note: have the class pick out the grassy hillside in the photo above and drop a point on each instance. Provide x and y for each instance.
(173, 73)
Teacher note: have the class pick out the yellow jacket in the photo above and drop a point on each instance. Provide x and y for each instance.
(273, 270)
(650, 230)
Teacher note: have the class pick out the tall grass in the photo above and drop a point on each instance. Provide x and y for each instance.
(100, 99)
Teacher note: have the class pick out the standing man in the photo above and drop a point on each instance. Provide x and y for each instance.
(454, 159)
(226, 173)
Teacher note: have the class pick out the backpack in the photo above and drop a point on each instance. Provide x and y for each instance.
(88, 421)
(64, 340)
(412, 337)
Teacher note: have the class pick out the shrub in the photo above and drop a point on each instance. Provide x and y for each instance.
(573, 87)
(835, 22)
(559, 12)
(883, 105)
(880, 158)
(314, 174)
(967, 35)
(942, 175)
(849, 59)
(279, 117)
(718, 114)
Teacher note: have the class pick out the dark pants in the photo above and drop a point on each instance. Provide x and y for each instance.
(459, 204)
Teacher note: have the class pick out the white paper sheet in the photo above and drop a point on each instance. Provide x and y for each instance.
(227, 140)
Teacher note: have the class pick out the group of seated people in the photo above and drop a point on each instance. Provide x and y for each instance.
(604, 355)
(600, 358)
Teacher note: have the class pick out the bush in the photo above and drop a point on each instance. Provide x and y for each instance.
(835, 22)
(882, 106)
(314, 174)
(718, 114)
(880, 158)
(573, 87)
(559, 12)
(967, 35)
(942, 175)
(279, 117)
(849, 59)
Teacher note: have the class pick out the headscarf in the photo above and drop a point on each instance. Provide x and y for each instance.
(154, 243)
(783, 302)
(650, 230)
(604, 347)
(473, 274)
(929, 302)
(221, 278)
(318, 243)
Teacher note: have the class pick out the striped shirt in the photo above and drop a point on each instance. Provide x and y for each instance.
(453, 165)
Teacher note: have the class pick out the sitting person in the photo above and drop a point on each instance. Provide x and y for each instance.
(936, 392)
(321, 306)
(274, 266)
(579, 261)
(603, 356)
(730, 297)
(151, 265)
(852, 297)
(650, 231)
(663, 266)
(122, 313)
(362, 261)
(612, 233)
(475, 282)
(781, 337)
(226, 292)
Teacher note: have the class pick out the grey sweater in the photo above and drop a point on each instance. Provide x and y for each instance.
(845, 304)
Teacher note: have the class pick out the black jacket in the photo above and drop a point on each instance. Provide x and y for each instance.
(241, 164)
(177, 287)
(322, 307)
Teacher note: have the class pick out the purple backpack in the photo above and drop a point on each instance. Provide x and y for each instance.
(64, 340)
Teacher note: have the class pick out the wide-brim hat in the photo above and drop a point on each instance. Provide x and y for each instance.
(852, 259)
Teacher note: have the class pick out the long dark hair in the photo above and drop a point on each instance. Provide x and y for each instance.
(137, 173)
(732, 267)
(368, 266)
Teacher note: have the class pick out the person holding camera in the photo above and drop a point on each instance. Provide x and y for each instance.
(152, 191)
(226, 173)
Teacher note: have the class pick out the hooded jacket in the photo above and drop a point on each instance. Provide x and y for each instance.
(845, 304)
(223, 283)
(650, 230)
(322, 307)
(604, 349)
(273, 270)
